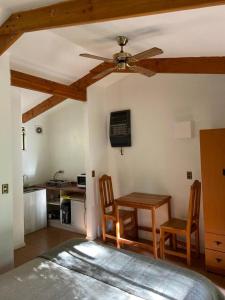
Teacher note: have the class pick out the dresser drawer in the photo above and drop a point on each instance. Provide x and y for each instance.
(215, 242)
(215, 261)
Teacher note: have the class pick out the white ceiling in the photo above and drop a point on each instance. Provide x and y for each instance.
(186, 33)
(54, 54)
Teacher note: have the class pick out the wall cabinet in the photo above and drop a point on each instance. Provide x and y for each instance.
(35, 211)
(213, 185)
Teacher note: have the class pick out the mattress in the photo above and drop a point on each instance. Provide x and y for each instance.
(81, 269)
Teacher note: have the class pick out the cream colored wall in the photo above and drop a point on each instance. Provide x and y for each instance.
(95, 154)
(36, 158)
(6, 169)
(157, 162)
(59, 147)
(18, 205)
(66, 139)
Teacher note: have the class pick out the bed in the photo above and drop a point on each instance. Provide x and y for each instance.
(82, 269)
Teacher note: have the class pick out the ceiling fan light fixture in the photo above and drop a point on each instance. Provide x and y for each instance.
(121, 65)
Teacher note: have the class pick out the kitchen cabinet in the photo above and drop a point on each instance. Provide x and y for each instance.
(35, 210)
(78, 216)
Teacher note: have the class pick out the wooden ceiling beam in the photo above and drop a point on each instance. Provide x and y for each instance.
(186, 65)
(49, 103)
(38, 84)
(7, 40)
(189, 65)
(77, 12)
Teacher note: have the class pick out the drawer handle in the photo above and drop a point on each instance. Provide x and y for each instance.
(218, 260)
(218, 243)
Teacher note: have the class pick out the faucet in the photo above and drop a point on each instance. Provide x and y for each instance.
(56, 173)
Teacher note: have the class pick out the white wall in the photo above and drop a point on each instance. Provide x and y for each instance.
(66, 139)
(96, 154)
(18, 206)
(36, 158)
(59, 147)
(6, 158)
(157, 162)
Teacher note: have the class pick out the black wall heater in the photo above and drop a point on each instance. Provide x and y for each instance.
(120, 128)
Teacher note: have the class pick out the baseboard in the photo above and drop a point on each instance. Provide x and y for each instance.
(21, 245)
(59, 225)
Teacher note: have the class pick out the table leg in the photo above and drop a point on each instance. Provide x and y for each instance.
(154, 234)
(117, 226)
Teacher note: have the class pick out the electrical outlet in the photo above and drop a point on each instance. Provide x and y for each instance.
(189, 175)
(5, 188)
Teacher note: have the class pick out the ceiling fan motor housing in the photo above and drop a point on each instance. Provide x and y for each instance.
(122, 40)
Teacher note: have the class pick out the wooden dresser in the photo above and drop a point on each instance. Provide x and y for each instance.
(213, 184)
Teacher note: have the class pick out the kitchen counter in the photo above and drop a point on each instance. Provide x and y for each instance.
(71, 188)
(31, 189)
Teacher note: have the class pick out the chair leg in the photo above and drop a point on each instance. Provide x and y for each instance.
(103, 229)
(174, 241)
(162, 244)
(121, 228)
(197, 247)
(188, 238)
(113, 226)
(136, 222)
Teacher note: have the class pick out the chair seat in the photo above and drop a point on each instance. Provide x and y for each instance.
(174, 224)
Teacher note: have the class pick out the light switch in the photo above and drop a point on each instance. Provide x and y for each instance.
(5, 188)
(189, 175)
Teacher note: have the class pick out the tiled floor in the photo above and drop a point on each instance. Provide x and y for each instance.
(43, 240)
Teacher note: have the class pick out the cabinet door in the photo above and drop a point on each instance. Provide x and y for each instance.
(213, 179)
(40, 209)
(26, 198)
(29, 213)
(35, 211)
(77, 216)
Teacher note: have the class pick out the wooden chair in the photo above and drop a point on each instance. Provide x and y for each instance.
(183, 228)
(128, 219)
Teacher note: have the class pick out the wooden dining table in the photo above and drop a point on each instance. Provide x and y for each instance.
(149, 202)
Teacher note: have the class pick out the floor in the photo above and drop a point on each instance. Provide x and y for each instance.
(40, 242)
(43, 240)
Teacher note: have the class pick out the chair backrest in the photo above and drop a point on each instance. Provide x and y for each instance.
(106, 193)
(194, 205)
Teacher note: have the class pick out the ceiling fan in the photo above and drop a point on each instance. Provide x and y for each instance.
(123, 60)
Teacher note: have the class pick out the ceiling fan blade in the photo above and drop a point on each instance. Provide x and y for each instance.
(147, 54)
(142, 71)
(104, 73)
(96, 57)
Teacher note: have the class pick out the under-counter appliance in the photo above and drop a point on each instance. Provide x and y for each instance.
(66, 212)
(81, 180)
